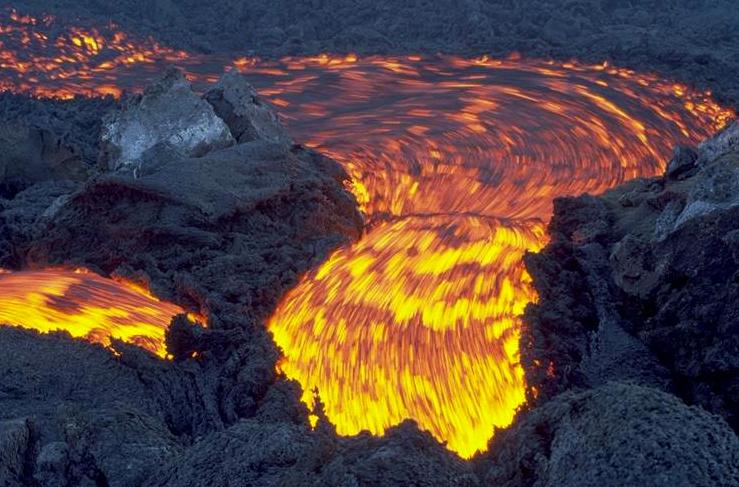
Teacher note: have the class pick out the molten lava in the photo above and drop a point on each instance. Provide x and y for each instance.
(85, 305)
(455, 163)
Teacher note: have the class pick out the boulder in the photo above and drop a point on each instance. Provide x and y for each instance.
(634, 267)
(168, 114)
(683, 160)
(716, 187)
(247, 115)
(726, 140)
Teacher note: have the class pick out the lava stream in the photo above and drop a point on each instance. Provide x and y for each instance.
(85, 305)
(455, 163)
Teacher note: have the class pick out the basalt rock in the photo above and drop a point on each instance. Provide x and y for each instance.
(56, 126)
(23, 217)
(29, 155)
(18, 444)
(614, 435)
(286, 454)
(239, 223)
(247, 115)
(660, 274)
(683, 160)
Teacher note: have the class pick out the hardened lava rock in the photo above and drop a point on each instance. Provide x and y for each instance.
(611, 436)
(642, 284)
(247, 115)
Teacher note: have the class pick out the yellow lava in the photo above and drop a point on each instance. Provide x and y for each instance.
(439, 325)
(86, 306)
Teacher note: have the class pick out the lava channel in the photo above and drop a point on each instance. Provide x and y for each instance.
(455, 163)
(86, 306)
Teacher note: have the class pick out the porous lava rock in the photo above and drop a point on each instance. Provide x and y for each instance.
(652, 263)
(285, 454)
(73, 125)
(17, 450)
(29, 155)
(614, 435)
(94, 416)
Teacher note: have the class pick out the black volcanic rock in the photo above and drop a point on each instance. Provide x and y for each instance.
(247, 115)
(683, 160)
(283, 454)
(241, 222)
(29, 155)
(18, 443)
(26, 214)
(661, 276)
(95, 416)
(72, 125)
(614, 435)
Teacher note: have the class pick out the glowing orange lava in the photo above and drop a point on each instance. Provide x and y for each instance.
(455, 163)
(85, 305)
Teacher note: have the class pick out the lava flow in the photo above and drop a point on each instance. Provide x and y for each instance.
(85, 305)
(455, 163)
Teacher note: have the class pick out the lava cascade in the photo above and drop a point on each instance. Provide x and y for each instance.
(86, 305)
(455, 163)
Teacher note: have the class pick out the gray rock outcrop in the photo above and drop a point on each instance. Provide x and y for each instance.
(247, 115)
(167, 116)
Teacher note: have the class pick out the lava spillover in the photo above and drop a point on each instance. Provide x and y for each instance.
(87, 306)
(455, 163)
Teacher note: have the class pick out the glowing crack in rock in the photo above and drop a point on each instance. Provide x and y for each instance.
(455, 163)
(85, 305)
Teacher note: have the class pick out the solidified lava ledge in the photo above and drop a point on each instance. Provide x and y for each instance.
(506, 262)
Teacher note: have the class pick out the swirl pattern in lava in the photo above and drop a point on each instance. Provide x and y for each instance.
(455, 164)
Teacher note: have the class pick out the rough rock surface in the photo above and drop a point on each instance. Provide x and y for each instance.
(29, 155)
(654, 262)
(75, 124)
(168, 116)
(248, 117)
(286, 454)
(17, 451)
(24, 217)
(243, 221)
(614, 435)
